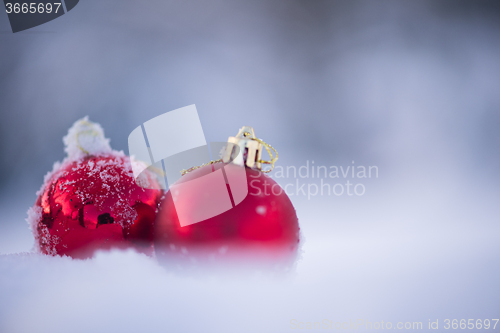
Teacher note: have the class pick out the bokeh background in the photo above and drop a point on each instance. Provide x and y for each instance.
(412, 87)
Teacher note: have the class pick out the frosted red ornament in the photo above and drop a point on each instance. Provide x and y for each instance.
(93, 203)
(263, 225)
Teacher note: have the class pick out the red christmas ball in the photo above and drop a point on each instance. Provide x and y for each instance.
(264, 224)
(95, 203)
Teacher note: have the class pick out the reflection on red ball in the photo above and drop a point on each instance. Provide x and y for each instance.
(265, 222)
(95, 203)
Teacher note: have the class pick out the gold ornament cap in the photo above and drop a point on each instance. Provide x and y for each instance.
(249, 151)
(244, 149)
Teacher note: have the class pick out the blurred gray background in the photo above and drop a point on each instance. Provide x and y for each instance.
(412, 87)
(374, 81)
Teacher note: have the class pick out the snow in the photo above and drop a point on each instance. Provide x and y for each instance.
(343, 276)
(34, 215)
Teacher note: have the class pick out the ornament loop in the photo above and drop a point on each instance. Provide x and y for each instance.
(251, 148)
(268, 148)
(184, 171)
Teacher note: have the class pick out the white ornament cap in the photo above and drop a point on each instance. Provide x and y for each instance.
(86, 138)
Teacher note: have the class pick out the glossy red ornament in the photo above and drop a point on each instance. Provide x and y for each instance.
(92, 204)
(264, 223)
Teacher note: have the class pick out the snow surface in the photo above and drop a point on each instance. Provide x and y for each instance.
(343, 276)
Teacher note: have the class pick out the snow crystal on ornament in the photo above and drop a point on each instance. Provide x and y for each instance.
(34, 216)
